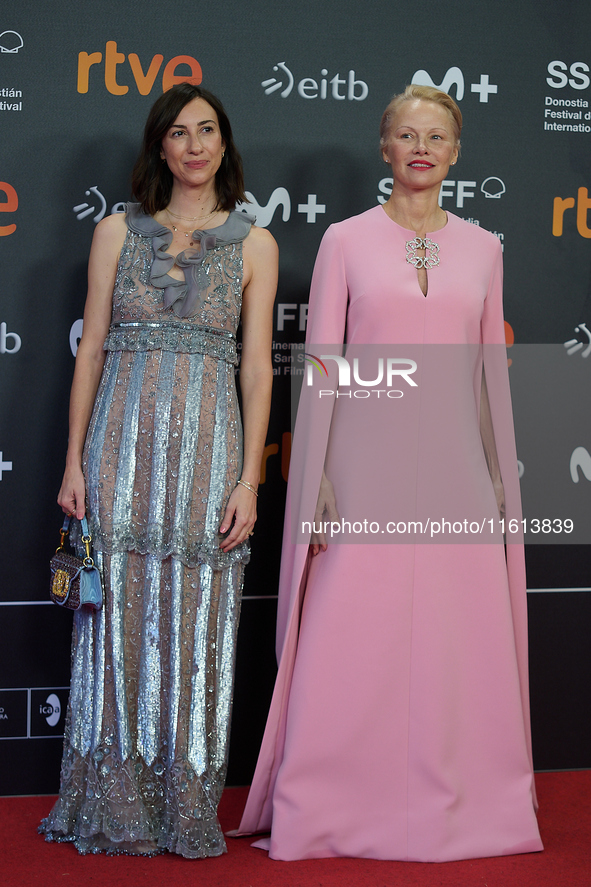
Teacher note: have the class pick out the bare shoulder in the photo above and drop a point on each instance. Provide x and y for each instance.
(107, 243)
(261, 260)
(110, 232)
(260, 243)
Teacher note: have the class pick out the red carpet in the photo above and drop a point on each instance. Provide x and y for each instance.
(565, 823)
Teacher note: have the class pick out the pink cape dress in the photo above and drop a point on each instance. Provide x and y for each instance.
(399, 725)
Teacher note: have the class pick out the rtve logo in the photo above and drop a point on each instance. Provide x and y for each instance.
(8, 205)
(454, 77)
(144, 81)
(562, 204)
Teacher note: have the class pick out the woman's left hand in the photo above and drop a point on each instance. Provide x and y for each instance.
(241, 515)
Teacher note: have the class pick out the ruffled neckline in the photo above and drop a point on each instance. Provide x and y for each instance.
(185, 297)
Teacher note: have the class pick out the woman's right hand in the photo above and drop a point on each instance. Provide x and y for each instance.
(326, 510)
(72, 494)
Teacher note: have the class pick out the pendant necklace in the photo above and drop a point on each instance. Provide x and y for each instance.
(188, 234)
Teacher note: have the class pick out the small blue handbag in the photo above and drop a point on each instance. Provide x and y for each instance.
(75, 581)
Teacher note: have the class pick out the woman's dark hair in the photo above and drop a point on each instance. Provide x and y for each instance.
(152, 180)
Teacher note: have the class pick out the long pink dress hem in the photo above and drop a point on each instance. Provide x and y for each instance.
(399, 725)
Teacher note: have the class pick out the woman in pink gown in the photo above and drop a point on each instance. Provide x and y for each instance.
(399, 726)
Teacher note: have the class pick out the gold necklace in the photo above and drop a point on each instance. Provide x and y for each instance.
(192, 218)
(188, 234)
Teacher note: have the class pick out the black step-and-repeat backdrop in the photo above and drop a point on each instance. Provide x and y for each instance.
(304, 85)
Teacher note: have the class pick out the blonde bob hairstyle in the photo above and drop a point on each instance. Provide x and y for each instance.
(425, 94)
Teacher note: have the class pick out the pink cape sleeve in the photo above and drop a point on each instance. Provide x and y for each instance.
(499, 394)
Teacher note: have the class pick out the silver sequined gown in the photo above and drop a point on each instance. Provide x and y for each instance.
(145, 750)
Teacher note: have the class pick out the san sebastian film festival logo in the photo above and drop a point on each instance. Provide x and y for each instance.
(570, 114)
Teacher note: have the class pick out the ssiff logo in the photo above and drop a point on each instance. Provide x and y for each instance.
(579, 75)
(144, 80)
(492, 187)
(309, 88)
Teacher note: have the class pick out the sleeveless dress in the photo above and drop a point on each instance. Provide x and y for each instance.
(399, 726)
(145, 752)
